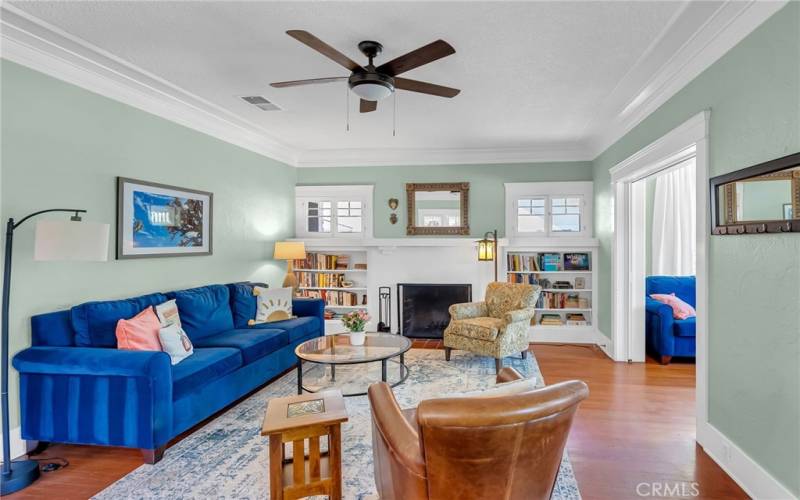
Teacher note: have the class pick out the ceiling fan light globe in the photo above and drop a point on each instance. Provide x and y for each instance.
(372, 91)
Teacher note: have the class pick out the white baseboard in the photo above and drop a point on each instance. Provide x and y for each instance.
(18, 445)
(754, 480)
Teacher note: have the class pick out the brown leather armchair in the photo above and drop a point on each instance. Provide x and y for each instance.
(472, 448)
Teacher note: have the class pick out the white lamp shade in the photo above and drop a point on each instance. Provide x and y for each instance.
(70, 240)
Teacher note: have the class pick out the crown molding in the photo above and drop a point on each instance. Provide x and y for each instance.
(31, 42)
(728, 25)
(36, 44)
(432, 156)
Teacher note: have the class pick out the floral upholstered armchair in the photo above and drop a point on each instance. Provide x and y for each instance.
(497, 327)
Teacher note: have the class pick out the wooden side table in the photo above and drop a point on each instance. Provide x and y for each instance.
(295, 420)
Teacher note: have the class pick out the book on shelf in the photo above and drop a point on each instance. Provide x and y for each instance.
(325, 280)
(550, 262)
(576, 319)
(523, 263)
(322, 261)
(335, 297)
(562, 300)
(551, 320)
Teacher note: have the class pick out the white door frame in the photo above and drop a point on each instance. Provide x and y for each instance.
(690, 139)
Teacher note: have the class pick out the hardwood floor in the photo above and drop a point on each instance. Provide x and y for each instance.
(636, 427)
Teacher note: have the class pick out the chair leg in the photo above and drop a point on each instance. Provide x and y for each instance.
(498, 365)
(665, 360)
(447, 353)
(525, 354)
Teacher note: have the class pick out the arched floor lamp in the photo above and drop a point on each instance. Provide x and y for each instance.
(54, 240)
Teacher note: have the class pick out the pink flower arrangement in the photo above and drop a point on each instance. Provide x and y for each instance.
(356, 321)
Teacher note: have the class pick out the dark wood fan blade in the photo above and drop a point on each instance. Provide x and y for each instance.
(416, 58)
(310, 81)
(367, 106)
(324, 49)
(425, 87)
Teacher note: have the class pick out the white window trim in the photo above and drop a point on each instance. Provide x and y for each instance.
(521, 190)
(362, 193)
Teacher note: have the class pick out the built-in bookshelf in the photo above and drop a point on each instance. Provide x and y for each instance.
(565, 310)
(338, 277)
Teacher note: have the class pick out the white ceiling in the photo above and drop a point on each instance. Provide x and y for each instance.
(546, 76)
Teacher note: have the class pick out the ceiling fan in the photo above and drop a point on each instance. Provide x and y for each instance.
(372, 83)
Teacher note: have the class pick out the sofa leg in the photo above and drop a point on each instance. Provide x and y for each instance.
(525, 354)
(498, 365)
(447, 353)
(153, 456)
(40, 447)
(665, 360)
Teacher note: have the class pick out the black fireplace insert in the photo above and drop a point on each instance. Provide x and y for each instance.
(422, 308)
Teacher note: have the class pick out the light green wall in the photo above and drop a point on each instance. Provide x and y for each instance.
(753, 93)
(486, 191)
(63, 146)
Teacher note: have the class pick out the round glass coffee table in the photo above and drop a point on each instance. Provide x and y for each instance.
(332, 351)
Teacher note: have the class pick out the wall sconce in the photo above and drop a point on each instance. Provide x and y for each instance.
(393, 203)
(487, 249)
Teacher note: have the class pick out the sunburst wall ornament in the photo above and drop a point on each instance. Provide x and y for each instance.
(272, 304)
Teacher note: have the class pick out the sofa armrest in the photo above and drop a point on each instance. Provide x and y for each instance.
(468, 310)
(90, 395)
(661, 320)
(523, 315)
(302, 306)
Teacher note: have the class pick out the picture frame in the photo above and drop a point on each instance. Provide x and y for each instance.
(580, 283)
(576, 261)
(159, 220)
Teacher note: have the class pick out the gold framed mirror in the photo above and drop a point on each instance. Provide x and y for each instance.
(438, 208)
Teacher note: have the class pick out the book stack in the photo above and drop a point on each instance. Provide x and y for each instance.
(325, 280)
(576, 319)
(523, 263)
(551, 320)
(334, 298)
(322, 261)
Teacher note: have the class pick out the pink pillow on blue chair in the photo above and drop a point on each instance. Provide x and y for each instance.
(680, 309)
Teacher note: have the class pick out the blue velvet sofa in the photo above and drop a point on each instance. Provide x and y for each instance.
(76, 387)
(668, 337)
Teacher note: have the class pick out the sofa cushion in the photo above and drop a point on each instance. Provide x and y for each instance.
(204, 310)
(243, 303)
(95, 323)
(254, 343)
(204, 366)
(298, 328)
(682, 286)
(483, 328)
(685, 327)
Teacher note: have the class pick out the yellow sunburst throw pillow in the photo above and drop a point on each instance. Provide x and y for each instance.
(272, 304)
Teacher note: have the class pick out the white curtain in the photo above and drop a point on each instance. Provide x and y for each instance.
(674, 221)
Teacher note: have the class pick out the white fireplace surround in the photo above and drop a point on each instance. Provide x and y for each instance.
(433, 260)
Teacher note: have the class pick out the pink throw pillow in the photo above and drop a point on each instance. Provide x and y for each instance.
(139, 333)
(680, 309)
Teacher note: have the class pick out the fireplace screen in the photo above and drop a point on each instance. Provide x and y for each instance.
(423, 307)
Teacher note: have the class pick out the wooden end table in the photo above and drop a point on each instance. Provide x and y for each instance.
(294, 420)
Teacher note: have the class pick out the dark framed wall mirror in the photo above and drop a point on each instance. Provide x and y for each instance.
(438, 208)
(764, 198)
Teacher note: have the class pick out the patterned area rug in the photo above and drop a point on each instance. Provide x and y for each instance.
(228, 458)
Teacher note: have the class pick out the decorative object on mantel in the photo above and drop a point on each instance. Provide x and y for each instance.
(754, 200)
(157, 220)
(53, 240)
(393, 203)
(437, 208)
(356, 322)
(487, 249)
(290, 251)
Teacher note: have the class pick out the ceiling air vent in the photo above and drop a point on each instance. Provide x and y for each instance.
(261, 103)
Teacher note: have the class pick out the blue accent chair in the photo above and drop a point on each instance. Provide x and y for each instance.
(77, 387)
(668, 337)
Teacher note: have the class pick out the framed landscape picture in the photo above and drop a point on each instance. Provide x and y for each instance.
(156, 220)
